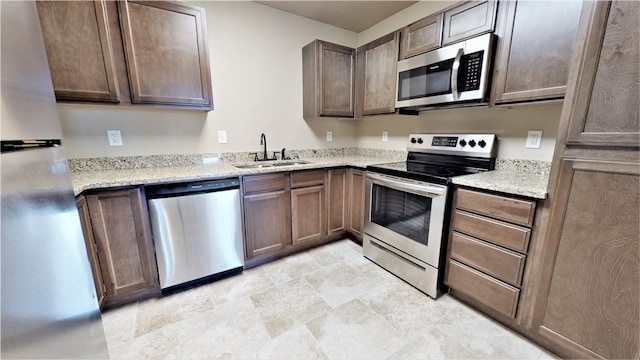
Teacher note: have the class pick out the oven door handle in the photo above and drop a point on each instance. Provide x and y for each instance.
(426, 190)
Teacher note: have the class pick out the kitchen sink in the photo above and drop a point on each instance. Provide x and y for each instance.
(292, 162)
(271, 164)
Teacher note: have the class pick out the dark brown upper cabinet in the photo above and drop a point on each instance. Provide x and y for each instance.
(421, 36)
(328, 75)
(166, 52)
(536, 41)
(468, 19)
(376, 76)
(128, 52)
(606, 112)
(79, 50)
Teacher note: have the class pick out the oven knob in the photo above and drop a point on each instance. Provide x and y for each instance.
(482, 143)
(420, 141)
(463, 143)
(413, 140)
(472, 143)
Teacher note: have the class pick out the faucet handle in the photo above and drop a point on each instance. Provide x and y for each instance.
(255, 156)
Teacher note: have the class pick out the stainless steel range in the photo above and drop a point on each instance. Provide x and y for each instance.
(407, 203)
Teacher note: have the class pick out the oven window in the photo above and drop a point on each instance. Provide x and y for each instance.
(404, 213)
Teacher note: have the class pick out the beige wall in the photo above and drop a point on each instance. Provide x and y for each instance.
(255, 55)
(256, 60)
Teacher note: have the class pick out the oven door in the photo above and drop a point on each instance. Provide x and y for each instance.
(406, 214)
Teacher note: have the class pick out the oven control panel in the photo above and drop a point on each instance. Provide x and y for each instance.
(480, 145)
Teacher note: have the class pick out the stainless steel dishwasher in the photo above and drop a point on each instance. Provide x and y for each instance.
(197, 230)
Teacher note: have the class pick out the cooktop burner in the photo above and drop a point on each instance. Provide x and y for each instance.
(438, 158)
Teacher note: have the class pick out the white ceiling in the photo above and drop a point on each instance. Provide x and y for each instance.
(355, 16)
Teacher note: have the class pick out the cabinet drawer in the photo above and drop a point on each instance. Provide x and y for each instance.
(503, 264)
(491, 292)
(307, 178)
(499, 207)
(498, 232)
(262, 183)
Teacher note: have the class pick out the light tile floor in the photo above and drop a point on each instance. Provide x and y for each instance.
(326, 303)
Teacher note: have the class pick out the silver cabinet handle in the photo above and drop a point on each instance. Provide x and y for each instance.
(454, 74)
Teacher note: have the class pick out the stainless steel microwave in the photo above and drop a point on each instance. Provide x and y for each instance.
(455, 73)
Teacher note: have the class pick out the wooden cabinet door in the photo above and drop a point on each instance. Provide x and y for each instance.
(421, 36)
(125, 248)
(536, 40)
(469, 19)
(92, 249)
(356, 202)
(308, 219)
(267, 221)
(376, 76)
(328, 77)
(337, 204)
(81, 61)
(166, 51)
(594, 289)
(606, 111)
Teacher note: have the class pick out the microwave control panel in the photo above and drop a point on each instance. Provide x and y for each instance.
(471, 65)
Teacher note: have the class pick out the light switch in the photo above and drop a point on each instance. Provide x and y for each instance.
(385, 136)
(329, 135)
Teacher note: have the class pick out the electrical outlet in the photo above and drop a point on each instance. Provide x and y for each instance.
(115, 138)
(329, 135)
(534, 139)
(385, 136)
(222, 136)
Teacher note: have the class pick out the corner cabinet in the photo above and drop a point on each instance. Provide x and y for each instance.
(588, 288)
(122, 232)
(92, 249)
(376, 72)
(535, 43)
(338, 201)
(128, 52)
(328, 76)
(356, 183)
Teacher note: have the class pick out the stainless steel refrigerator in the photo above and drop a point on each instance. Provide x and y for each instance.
(48, 299)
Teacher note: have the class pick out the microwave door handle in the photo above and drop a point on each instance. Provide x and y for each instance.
(454, 74)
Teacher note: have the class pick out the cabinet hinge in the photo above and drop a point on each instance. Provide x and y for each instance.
(104, 287)
(95, 246)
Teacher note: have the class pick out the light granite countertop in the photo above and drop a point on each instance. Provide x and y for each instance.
(510, 182)
(87, 180)
(510, 177)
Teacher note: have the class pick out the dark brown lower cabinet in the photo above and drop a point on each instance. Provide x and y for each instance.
(267, 221)
(338, 200)
(308, 206)
(488, 249)
(593, 304)
(355, 180)
(92, 249)
(122, 232)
